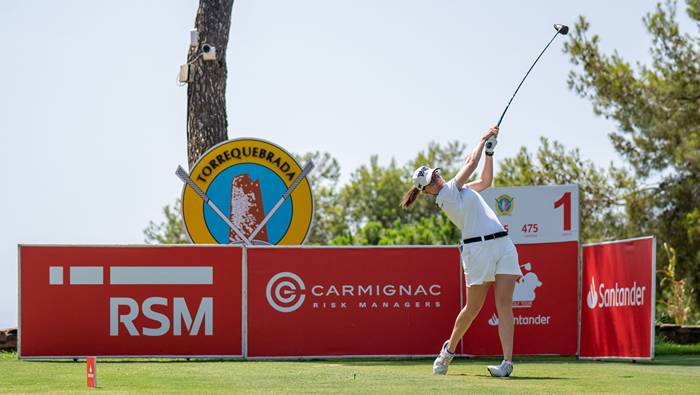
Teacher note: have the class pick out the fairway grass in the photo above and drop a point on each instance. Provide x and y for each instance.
(676, 374)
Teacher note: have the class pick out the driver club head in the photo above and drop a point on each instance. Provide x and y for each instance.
(561, 29)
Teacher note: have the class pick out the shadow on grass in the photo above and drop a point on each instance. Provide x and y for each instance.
(674, 360)
(662, 360)
(517, 377)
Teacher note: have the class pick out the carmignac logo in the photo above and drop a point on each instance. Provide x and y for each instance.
(592, 297)
(285, 292)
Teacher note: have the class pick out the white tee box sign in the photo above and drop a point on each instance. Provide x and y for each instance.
(537, 214)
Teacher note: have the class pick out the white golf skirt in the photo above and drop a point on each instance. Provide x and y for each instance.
(483, 260)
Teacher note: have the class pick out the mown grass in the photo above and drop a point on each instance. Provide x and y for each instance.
(675, 370)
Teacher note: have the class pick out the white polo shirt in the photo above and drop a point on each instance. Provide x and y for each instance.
(467, 210)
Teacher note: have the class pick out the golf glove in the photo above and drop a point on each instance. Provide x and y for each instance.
(490, 145)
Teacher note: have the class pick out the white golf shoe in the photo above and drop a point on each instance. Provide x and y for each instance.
(502, 370)
(442, 362)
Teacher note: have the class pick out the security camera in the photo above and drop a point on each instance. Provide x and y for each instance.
(208, 52)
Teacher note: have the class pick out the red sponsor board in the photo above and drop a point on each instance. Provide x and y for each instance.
(618, 299)
(351, 301)
(130, 301)
(545, 305)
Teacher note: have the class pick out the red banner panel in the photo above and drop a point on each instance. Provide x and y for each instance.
(617, 316)
(351, 301)
(545, 305)
(130, 301)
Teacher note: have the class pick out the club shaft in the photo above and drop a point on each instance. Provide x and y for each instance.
(523, 80)
(228, 222)
(182, 174)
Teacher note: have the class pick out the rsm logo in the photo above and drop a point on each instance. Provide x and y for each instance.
(180, 315)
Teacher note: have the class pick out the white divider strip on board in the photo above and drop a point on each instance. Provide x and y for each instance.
(161, 275)
(56, 275)
(86, 275)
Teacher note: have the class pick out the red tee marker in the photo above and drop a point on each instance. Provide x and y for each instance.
(91, 373)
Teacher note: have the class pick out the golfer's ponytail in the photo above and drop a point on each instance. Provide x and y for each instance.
(409, 197)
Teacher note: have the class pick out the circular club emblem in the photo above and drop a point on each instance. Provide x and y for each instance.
(504, 204)
(246, 180)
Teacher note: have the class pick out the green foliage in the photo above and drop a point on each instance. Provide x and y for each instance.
(170, 231)
(694, 9)
(657, 111)
(435, 229)
(656, 107)
(663, 346)
(373, 193)
(328, 215)
(676, 301)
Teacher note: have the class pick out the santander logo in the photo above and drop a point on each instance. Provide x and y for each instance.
(493, 321)
(616, 296)
(592, 297)
(523, 320)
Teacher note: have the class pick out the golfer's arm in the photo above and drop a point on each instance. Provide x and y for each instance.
(470, 165)
(486, 176)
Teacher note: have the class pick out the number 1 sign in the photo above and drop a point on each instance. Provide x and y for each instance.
(537, 214)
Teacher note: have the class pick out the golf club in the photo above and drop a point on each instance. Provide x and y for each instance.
(561, 29)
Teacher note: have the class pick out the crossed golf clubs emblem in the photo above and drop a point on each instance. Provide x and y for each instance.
(182, 174)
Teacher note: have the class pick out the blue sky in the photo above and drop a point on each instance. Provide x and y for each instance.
(93, 121)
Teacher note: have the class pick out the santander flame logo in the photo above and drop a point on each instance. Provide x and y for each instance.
(592, 297)
(493, 321)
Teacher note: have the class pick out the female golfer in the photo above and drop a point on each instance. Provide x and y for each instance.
(488, 254)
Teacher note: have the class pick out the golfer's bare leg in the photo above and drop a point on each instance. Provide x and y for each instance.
(505, 284)
(476, 294)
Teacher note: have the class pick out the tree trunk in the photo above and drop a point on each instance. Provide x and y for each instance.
(206, 93)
